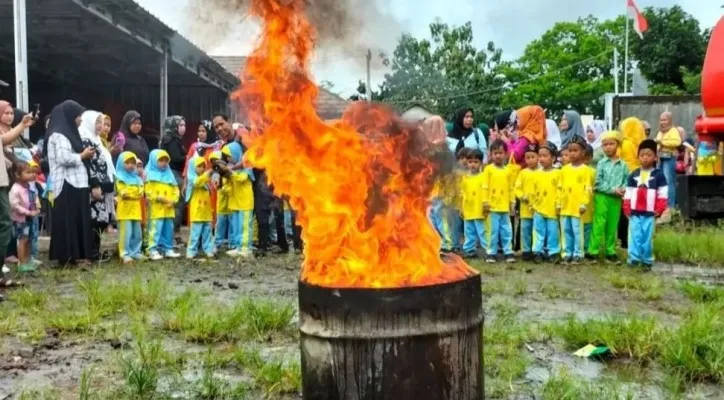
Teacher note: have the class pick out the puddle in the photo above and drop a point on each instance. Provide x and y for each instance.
(709, 276)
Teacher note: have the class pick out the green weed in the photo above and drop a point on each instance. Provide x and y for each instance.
(690, 244)
(644, 286)
(263, 317)
(29, 301)
(553, 291)
(700, 293)
(86, 382)
(8, 322)
(563, 386)
(520, 286)
(141, 369)
(278, 377)
(494, 286)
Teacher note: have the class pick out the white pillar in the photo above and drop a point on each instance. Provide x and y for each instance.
(21, 57)
(164, 90)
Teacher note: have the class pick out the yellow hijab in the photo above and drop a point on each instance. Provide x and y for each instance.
(104, 134)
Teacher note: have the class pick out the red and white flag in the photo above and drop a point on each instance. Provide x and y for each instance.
(640, 24)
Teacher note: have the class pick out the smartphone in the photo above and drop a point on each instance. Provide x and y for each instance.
(36, 110)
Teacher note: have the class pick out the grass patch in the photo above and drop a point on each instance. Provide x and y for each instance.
(699, 293)
(687, 243)
(642, 286)
(8, 322)
(494, 286)
(563, 386)
(626, 336)
(29, 301)
(694, 351)
(553, 291)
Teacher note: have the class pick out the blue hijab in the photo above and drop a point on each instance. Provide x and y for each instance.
(191, 175)
(156, 174)
(129, 178)
(235, 152)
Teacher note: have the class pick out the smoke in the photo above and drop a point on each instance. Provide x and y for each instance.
(346, 28)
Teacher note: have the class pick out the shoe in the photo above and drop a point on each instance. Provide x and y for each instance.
(538, 259)
(5, 269)
(575, 261)
(470, 255)
(613, 260)
(127, 260)
(172, 254)
(26, 268)
(527, 256)
(233, 253)
(246, 253)
(590, 259)
(155, 256)
(189, 257)
(210, 255)
(36, 261)
(491, 260)
(510, 258)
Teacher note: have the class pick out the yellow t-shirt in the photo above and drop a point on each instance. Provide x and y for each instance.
(587, 217)
(242, 194)
(525, 191)
(128, 207)
(497, 188)
(472, 194)
(222, 197)
(200, 209)
(155, 191)
(574, 189)
(546, 192)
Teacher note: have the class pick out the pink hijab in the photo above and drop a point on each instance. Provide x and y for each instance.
(4, 105)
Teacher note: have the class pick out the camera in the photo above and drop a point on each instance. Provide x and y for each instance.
(219, 167)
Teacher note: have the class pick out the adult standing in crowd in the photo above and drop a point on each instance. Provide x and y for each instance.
(128, 137)
(7, 136)
(632, 134)
(668, 140)
(571, 126)
(553, 132)
(71, 232)
(464, 134)
(594, 133)
(174, 128)
(101, 173)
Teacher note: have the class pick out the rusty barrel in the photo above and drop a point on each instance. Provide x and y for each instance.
(400, 343)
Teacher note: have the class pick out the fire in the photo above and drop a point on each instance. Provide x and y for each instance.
(360, 185)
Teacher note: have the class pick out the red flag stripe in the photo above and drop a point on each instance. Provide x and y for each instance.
(640, 23)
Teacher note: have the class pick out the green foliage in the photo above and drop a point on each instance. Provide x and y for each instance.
(673, 40)
(573, 63)
(436, 73)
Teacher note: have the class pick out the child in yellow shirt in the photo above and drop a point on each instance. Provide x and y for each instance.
(162, 194)
(472, 194)
(498, 200)
(587, 217)
(223, 214)
(574, 194)
(241, 203)
(198, 197)
(129, 213)
(525, 193)
(545, 201)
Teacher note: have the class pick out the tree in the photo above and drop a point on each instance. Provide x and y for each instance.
(361, 93)
(444, 73)
(570, 66)
(674, 40)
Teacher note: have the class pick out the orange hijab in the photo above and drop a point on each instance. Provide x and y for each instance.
(532, 124)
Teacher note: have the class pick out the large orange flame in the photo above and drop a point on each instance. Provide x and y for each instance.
(360, 185)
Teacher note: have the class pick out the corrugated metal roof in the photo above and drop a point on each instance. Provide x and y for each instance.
(329, 105)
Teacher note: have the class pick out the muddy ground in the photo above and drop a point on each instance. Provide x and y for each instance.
(55, 344)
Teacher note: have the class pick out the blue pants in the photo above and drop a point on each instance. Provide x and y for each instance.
(668, 167)
(587, 229)
(546, 233)
(241, 230)
(500, 234)
(272, 232)
(200, 233)
(455, 222)
(34, 231)
(222, 230)
(572, 233)
(641, 239)
(130, 239)
(160, 235)
(474, 235)
(439, 221)
(526, 235)
(288, 223)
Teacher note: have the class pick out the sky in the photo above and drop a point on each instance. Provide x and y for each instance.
(510, 24)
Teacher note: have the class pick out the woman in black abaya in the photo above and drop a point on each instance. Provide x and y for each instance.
(71, 227)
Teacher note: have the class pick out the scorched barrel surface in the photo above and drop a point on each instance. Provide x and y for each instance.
(421, 343)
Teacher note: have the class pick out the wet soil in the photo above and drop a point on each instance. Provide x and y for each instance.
(543, 293)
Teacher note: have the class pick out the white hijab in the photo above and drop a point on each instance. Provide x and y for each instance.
(554, 134)
(598, 127)
(87, 130)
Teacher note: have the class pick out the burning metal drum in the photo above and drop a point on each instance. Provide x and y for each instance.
(400, 343)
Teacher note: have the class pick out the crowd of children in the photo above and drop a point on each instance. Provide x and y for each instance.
(565, 208)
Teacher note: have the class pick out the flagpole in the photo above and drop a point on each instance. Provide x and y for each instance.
(625, 57)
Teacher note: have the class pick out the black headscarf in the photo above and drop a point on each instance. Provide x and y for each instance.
(127, 121)
(62, 122)
(502, 119)
(211, 136)
(459, 131)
